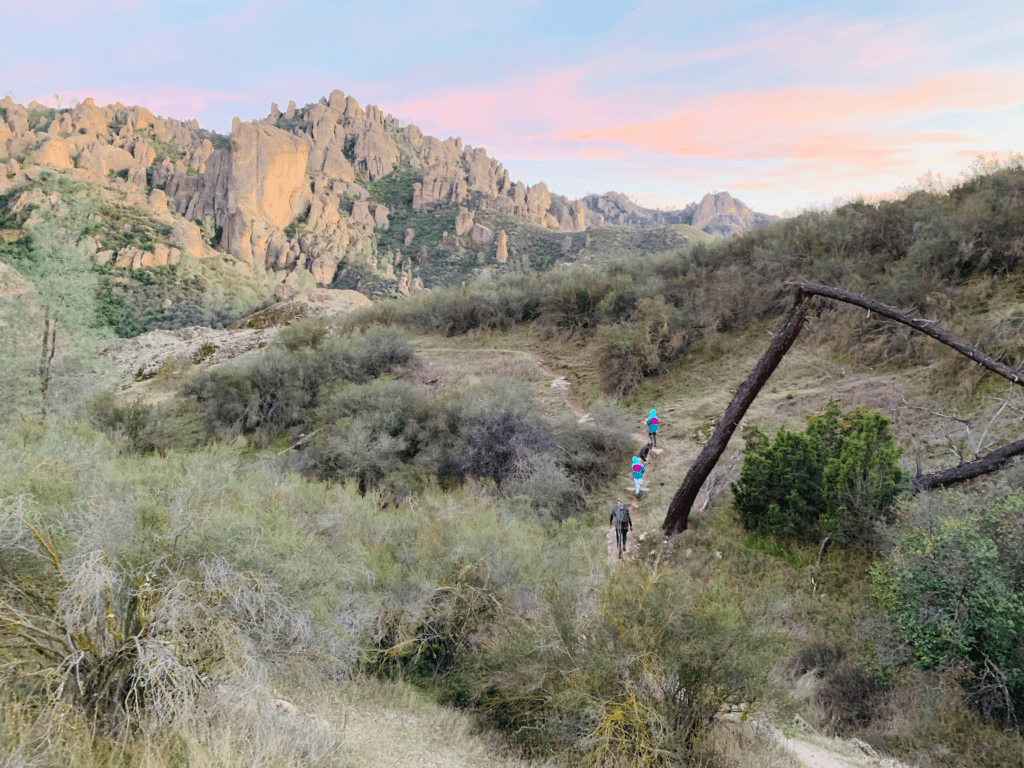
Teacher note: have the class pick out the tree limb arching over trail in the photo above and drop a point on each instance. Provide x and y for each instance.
(682, 502)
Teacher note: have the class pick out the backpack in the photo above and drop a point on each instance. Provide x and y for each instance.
(653, 421)
(621, 513)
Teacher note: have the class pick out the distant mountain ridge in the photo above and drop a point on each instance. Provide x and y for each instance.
(719, 214)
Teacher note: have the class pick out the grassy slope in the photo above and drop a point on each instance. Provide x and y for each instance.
(383, 722)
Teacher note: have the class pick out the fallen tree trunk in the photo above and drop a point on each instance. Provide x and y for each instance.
(926, 327)
(682, 502)
(988, 463)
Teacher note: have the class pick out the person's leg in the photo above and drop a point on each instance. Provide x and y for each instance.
(654, 439)
(618, 539)
(625, 542)
(637, 481)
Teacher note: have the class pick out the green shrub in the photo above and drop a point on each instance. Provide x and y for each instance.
(309, 332)
(839, 478)
(952, 597)
(500, 443)
(355, 450)
(551, 491)
(637, 676)
(142, 428)
(282, 388)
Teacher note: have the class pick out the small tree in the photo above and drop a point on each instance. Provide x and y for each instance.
(66, 281)
(837, 479)
(948, 585)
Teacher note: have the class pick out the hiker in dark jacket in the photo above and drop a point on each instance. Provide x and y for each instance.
(623, 525)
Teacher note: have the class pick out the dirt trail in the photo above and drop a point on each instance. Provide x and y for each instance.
(558, 382)
(811, 751)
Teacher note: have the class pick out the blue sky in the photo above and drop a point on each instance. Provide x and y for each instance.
(783, 104)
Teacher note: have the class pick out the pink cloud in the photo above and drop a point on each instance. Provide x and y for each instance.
(744, 124)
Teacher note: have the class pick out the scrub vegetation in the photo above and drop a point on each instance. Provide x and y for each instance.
(394, 512)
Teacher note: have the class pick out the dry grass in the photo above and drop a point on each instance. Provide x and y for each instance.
(394, 724)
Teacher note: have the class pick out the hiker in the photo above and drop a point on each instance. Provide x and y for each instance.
(638, 473)
(623, 525)
(652, 428)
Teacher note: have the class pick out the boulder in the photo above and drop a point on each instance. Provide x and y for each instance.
(464, 221)
(100, 159)
(156, 203)
(380, 216)
(442, 183)
(5, 136)
(323, 212)
(187, 236)
(538, 200)
(17, 119)
(361, 214)
(143, 153)
(55, 153)
(162, 130)
(89, 118)
(324, 267)
(336, 100)
(131, 257)
(481, 171)
(375, 152)
(20, 144)
(140, 118)
(500, 203)
(481, 235)
(409, 235)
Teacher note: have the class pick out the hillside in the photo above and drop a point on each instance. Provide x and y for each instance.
(342, 532)
(332, 194)
(295, 542)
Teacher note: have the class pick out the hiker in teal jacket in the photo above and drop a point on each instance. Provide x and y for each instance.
(638, 473)
(652, 428)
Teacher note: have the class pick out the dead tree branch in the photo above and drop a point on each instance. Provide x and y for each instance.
(927, 327)
(988, 463)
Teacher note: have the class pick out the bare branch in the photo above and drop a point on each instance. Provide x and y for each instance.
(927, 327)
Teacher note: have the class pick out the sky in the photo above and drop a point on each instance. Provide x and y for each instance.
(784, 105)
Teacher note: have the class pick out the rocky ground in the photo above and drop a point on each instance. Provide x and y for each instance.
(142, 357)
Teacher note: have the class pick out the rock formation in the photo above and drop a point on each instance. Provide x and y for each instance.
(501, 247)
(719, 214)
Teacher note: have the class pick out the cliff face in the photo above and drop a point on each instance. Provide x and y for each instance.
(315, 188)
